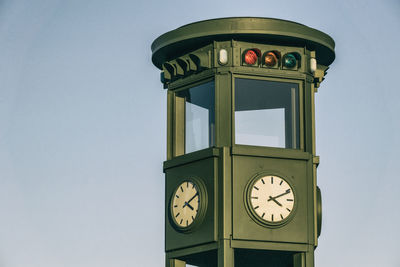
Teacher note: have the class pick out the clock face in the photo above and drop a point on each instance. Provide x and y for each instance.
(185, 204)
(272, 199)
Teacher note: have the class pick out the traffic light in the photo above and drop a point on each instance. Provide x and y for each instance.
(272, 59)
(291, 61)
(319, 74)
(184, 65)
(251, 57)
(254, 57)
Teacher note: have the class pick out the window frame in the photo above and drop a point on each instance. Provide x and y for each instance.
(299, 82)
(178, 118)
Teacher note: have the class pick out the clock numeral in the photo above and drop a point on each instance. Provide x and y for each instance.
(256, 207)
(256, 188)
(177, 214)
(272, 179)
(177, 196)
(281, 182)
(272, 217)
(187, 184)
(262, 180)
(192, 218)
(288, 210)
(175, 206)
(181, 221)
(289, 199)
(187, 222)
(181, 189)
(262, 216)
(281, 217)
(254, 197)
(288, 191)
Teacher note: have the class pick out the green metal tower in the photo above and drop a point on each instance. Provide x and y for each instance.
(241, 186)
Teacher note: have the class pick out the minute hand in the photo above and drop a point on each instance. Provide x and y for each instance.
(187, 202)
(273, 198)
(193, 197)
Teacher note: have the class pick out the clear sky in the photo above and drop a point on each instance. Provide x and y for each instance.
(83, 115)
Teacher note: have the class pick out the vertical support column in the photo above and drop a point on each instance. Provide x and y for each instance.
(223, 112)
(223, 87)
(225, 196)
(225, 254)
(299, 260)
(170, 125)
(315, 161)
(310, 258)
(225, 251)
(179, 126)
(304, 259)
(175, 263)
(308, 118)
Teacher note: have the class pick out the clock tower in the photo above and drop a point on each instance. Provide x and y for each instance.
(240, 174)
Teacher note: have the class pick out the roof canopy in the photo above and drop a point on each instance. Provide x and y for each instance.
(262, 30)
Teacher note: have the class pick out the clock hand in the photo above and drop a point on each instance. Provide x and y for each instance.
(193, 197)
(187, 202)
(190, 206)
(274, 200)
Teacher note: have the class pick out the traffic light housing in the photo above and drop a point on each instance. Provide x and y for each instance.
(185, 65)
(257, 57)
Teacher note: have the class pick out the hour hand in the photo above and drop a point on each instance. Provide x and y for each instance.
(274, 200)
(187, 204)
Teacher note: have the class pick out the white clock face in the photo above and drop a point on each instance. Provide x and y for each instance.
(185, 204)
(272, 199)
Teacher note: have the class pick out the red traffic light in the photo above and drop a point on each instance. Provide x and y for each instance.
(251, 56)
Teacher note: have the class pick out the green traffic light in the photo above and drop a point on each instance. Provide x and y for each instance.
(290, 61)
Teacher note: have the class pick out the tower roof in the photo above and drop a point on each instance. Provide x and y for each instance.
(263, 30)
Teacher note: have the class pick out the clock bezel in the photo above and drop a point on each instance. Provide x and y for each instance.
(201, 210)
(250, 210)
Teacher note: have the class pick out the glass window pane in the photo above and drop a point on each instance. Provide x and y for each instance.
(199, 116)
(266, 113)
(269, 133)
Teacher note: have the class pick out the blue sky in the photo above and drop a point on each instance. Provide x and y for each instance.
(83, 115)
